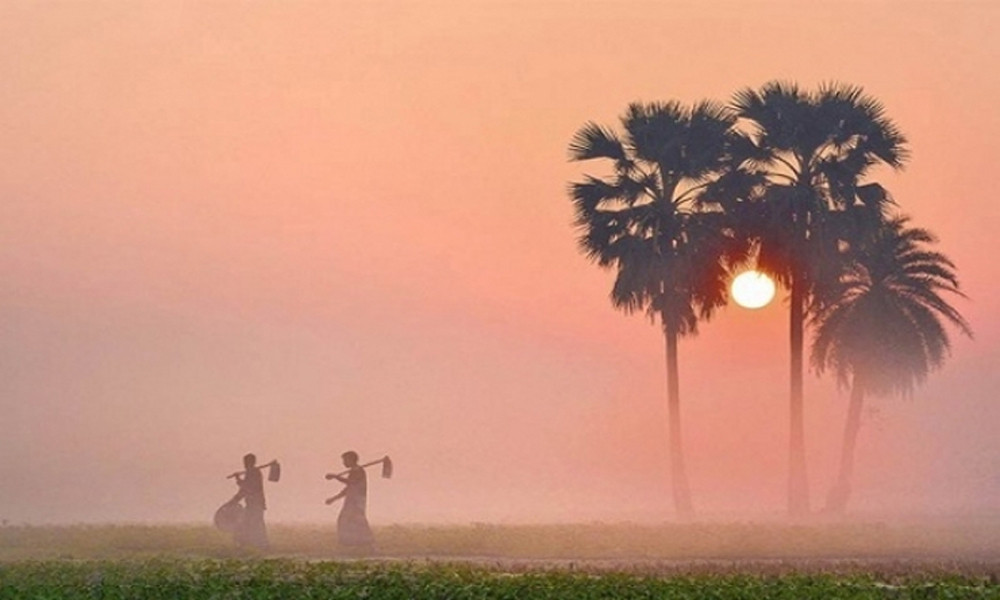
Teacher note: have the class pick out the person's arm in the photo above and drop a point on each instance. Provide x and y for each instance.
(333, 499)
(339, 478)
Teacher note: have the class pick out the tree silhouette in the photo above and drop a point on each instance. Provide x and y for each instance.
(881, 328)
(645, 221)
(801, 163)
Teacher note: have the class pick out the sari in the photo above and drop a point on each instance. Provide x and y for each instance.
(352, 524)
(251, 530)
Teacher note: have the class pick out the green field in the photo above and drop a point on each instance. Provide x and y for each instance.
(928, 560)
(291, 579)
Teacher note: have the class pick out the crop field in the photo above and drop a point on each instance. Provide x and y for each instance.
(872, 560)
(290, 579)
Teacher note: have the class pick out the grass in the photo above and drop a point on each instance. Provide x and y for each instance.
(290, 579)
(736, 560)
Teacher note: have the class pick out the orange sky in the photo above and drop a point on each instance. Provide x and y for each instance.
(298, 228)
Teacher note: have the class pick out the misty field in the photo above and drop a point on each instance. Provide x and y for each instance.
(937, 559)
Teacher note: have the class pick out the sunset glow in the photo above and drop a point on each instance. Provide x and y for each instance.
(752, 289)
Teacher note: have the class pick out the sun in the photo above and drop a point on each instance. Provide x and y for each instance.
(752, 289)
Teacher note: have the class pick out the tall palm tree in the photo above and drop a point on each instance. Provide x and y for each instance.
(645, 221)
(811, 151)
(881, 329)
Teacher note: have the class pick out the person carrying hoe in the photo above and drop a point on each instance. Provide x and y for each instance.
(352, 524)
(251, 531)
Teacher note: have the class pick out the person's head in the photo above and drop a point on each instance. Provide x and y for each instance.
(249, 460)
(350, 458)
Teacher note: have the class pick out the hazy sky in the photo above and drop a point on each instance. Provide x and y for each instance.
(297, 228)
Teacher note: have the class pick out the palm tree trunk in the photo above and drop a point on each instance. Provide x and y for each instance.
(798, 484)
(678, 473)
(836, 501)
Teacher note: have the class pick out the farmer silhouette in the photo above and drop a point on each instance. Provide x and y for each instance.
(251, 530)
(352, 524)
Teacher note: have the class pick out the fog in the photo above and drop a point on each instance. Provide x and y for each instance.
(296, 229)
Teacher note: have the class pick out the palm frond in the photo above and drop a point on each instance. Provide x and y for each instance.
(875, 196)
(588, 195)
(593, 141)
(930, 266)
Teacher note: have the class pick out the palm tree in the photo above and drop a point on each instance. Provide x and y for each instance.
(645, 221)
(810, 153)
(881, 330)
